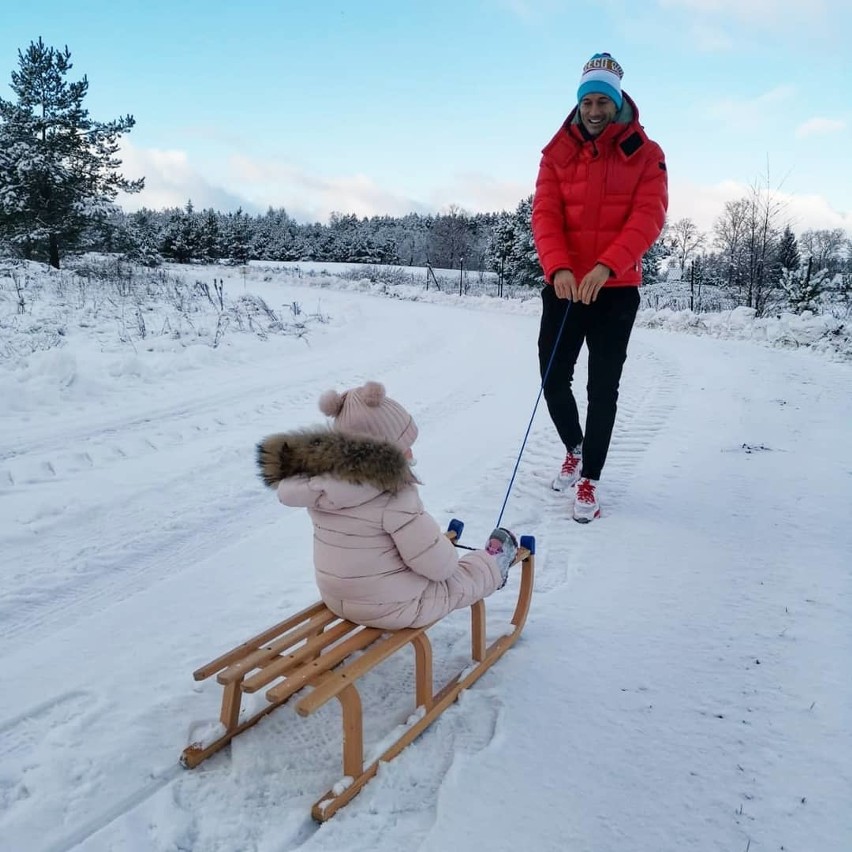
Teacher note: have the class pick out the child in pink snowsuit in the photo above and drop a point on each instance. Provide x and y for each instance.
(380, 559)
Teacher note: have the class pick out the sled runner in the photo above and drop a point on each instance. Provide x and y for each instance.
(317, 649)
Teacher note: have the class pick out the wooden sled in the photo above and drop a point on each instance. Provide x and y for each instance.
(313, 649)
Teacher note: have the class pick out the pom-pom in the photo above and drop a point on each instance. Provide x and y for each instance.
(330, 403)
(373, 393)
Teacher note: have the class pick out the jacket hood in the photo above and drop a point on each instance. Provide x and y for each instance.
(324, 452)
(625, 129)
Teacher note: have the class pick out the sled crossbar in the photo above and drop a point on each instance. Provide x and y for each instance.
(317, 649)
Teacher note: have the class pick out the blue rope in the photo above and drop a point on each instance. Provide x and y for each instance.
(532, 417)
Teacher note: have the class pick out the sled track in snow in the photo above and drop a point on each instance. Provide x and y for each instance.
(648, 396)
(100, 821)
(460, 732)
(19, 734)
(27, 730)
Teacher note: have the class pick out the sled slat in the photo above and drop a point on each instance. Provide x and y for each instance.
(304, 675)
(280, 666)
(347, 675)
(255, 659)
(255, 642)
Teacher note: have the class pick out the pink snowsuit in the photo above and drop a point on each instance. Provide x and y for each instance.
(380, 559)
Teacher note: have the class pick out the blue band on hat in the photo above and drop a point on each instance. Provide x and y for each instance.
(593, 87)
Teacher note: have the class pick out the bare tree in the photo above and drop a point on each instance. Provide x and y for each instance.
(450, 239)
(684, 240)
(747, 236)
(764, 234)
(729, 232)
(825, 247)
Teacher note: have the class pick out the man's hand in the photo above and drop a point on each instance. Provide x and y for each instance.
(565, 284)
(590, 286)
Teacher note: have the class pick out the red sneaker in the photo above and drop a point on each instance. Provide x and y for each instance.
(586, 506)
(570, 472)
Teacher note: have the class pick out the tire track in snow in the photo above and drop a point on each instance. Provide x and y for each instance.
(114, 572)
(120, 427)
(68, 452)
(120, 555)
(19, 732)
(127, 556)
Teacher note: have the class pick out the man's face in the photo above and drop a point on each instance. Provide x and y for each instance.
(596, 112)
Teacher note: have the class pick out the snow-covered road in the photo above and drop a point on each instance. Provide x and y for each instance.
(682, 682)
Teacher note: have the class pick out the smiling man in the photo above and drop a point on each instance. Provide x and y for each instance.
(600, 203)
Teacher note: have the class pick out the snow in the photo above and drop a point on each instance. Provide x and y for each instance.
(683, 678)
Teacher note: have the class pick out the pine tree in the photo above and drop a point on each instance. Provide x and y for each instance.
(652, 259)
(182, 238)
(788, 250)
(524, 266)
(141, 238)
(209, 237)
(804, 288)
(236, 238)
(500, 244)
(58, 169)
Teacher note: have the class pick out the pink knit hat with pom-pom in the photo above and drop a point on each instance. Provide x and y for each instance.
(368, 410)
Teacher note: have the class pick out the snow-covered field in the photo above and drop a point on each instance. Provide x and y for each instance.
(683, 679)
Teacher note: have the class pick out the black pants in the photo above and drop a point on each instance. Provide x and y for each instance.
(605, 326)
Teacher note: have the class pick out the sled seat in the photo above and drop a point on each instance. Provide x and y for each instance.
(315, 648)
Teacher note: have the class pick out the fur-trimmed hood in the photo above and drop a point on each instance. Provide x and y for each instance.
(322, 451)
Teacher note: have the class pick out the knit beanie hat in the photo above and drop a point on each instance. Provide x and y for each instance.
(601, 75)
(369, 411)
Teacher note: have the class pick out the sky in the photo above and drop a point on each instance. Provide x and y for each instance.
(682, 681)
(390, 107)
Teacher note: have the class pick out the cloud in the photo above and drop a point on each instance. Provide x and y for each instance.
(701, 203)
(530, 10)
(255, 184)
(766, 13)
(642, 26)
(819, 127)
(733, 109)
(311, 197)
(478, 193)
(170, 181)
(705, 203)
(707, 38)
(813, 211)
(719, 25)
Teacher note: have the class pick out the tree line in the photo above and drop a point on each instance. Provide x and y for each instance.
(754, 258)
(451, 240)
(60, 177)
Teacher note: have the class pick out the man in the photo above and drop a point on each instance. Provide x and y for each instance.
(600, 203)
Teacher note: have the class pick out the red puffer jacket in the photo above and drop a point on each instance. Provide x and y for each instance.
(600, 200)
